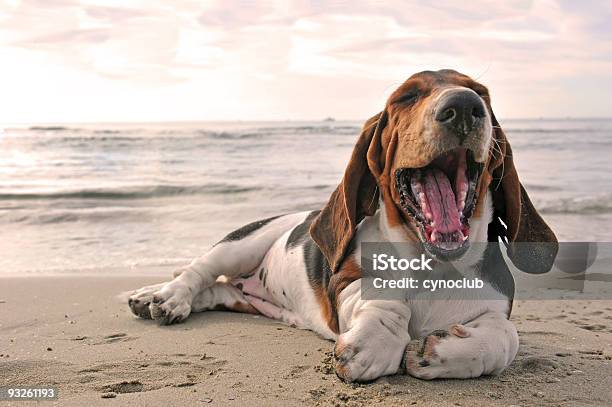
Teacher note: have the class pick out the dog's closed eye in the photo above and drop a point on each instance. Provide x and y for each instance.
(407, 98)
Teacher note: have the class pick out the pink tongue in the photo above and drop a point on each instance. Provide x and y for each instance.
(441, 201)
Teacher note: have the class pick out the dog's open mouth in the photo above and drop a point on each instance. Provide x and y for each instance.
(441, 197)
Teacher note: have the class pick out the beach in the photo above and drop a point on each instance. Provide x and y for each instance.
(90, 211)
(298, 143)
(71, 331)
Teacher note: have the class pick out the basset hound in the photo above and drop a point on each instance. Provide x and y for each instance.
(434, 168)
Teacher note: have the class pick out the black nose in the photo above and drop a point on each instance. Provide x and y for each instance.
(459, 111)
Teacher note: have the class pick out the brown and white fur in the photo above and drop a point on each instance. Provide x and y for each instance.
(305, 268)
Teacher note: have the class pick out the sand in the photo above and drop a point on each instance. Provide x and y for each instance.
(71, 332)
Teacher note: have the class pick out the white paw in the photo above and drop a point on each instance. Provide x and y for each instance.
(363, 356)
(140, 300)
(171, 304)
(461, 352)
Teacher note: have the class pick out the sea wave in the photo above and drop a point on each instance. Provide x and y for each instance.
(67, 129)
(542, 187)
(52, 128)
(574, 130)
(101, 215)
(594, 205)
(131, 192)
(173, 132)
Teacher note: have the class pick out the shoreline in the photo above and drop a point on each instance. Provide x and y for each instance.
(71, 331)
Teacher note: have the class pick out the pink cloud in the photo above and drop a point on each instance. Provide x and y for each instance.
(282, 61)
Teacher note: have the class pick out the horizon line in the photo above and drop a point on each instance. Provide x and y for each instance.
(324, 120)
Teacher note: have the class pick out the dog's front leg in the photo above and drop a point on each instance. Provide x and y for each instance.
(374, 335)
(484, 346)
(235, 256)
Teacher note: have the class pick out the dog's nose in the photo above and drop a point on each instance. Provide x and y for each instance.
(459, 111)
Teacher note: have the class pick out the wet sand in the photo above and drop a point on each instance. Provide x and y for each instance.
(71, 332)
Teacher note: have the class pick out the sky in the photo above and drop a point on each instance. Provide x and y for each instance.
(127, 61)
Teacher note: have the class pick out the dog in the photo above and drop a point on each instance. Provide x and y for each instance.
(437, 129)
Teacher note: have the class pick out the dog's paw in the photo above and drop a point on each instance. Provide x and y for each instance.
(171, 304)
(360, 358)
(140, 300)
(456, 353)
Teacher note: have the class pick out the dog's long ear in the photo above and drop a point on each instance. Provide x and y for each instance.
(532, 245)
(355, 198)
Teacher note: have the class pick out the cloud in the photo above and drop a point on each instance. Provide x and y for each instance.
(114, 14)
(299, 59)
(69, 37)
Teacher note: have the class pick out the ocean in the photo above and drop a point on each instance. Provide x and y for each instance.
(127, 198)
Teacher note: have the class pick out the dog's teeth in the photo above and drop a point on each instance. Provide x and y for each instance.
(424, 206)
(461, 195)
(415, 186)
(423, 200)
